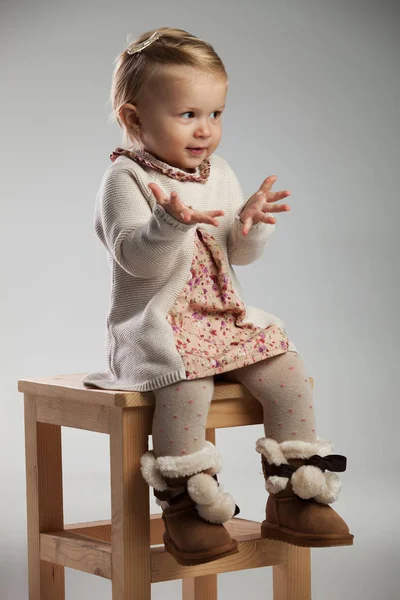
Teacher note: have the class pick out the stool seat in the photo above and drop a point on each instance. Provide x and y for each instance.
(128, 548)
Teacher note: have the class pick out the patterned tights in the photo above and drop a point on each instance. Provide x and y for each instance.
(279, 383)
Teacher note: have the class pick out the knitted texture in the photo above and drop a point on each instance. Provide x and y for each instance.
(150, 254)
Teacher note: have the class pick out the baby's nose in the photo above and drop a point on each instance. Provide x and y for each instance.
(204, 129)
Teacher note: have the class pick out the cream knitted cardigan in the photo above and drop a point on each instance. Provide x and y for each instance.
(150, 255)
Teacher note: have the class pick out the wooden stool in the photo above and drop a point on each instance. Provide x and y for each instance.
(129, 549)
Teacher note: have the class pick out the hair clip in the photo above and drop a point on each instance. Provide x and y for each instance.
(133, 48)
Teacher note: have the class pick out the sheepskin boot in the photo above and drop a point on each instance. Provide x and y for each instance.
(194, 506)
(301, 486)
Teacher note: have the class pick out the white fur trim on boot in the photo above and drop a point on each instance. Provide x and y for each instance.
(277, 454)
(212, 503)
(181, 466)
(307, 481)
(203, 488)
(150, 471)
(300, 449)
(219, 511)
(331, 490)
(276, 484)
(311, 482)
(155, 470)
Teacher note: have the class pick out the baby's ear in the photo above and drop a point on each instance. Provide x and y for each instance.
(128, 114)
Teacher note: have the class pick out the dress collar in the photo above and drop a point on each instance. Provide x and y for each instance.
(143, 157)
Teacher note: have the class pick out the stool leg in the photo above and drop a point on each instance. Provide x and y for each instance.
(130, 505)
(44, 501)
(292, 581)
(200, 588)
(204, 587)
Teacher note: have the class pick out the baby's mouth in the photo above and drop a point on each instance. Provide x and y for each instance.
(196, 151)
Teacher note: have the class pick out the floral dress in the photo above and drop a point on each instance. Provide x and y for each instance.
(206, 318)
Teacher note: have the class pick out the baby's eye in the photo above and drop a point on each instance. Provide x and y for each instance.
(217, 113)
(189, 112)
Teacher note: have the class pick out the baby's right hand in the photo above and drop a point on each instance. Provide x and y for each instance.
(182, 213)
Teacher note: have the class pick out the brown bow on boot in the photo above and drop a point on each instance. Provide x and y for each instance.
(300, 490)
(194, 506)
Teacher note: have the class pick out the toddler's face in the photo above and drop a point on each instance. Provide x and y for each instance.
(179, 111)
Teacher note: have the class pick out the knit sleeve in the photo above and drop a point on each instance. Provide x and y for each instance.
(244, 249)
(142, 242)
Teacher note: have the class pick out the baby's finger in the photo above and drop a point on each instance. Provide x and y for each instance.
(267, 184)
(264, 191)
(247, 226)
(267, 208)
(176, 202)
(261, 197)
(186, 216)
(206, 217)
(158, 193)
(187, 213)
(215, 213)
(209, 217)
(274, 196)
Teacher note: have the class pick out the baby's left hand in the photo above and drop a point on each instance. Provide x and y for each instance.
(260, 203)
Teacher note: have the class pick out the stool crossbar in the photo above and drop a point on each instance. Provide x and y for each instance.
(128, 549)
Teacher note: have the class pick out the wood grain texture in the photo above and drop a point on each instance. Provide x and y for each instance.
(199, 588)
(44, 502)
(70, 387)
(243, 529)
(292, 580)
(73, 413)
(253, 553)
(77, 552)
(233, 413)
(80, 551)
(130, 518)
(121, 549)
(101, 530)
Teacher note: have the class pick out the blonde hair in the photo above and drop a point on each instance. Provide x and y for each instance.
(174, 48)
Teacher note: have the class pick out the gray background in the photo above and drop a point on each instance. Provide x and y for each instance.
(314, 99)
